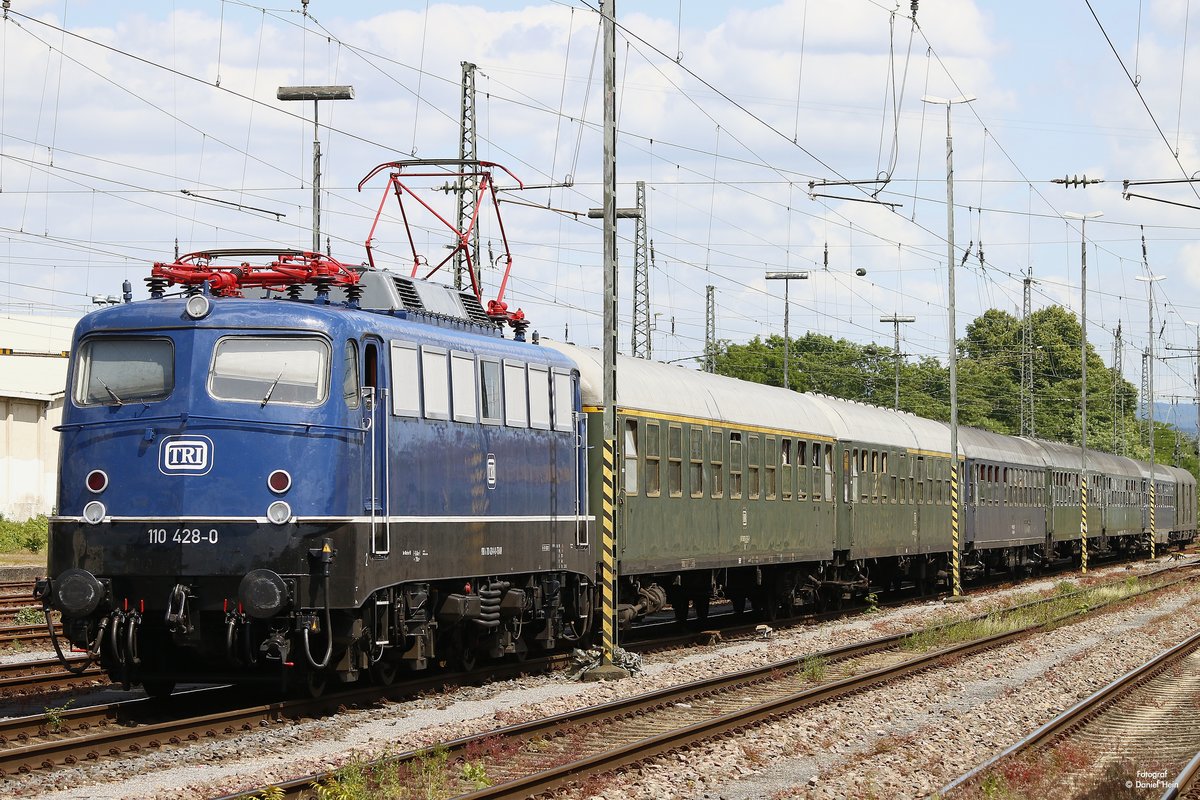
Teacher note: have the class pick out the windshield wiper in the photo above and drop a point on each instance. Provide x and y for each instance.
(111, 393)
(271, 390)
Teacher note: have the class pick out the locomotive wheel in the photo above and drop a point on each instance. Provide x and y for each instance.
(383, 673)
(314, 683)
(158, 687)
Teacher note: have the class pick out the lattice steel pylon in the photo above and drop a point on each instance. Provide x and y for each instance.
(1118, 396)
(1027, 426)
(641, 280)
(1145, 399)
(710, 329)
(467, 186)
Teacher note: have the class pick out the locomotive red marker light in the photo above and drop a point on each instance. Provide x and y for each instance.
(97, 481)
(279, 481)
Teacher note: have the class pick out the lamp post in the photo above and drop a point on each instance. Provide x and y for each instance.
(786, 277)
(1150, 280)
(1083, 498)
(316, 94)
(955, 556)
(896, 320)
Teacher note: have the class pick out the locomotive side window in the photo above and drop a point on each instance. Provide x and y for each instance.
(539, 397)
(116, 371)
(462, 387)
(350, 388)
(489, 391)
(435, 383)
(564, 401)
(406, 380)
(261, 369)
(516, 405)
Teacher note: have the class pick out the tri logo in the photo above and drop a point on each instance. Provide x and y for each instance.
(185, 455)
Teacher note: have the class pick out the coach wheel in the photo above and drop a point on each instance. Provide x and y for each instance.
(383, 673)
(158, 687)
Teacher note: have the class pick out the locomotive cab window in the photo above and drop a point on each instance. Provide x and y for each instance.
(113, 372)
(350, 383)
(266, 370)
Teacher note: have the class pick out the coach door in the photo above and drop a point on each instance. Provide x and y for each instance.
(376, 469)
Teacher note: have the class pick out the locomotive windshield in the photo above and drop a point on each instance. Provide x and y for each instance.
(118, 371)
(259, 369)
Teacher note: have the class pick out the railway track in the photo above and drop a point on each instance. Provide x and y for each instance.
(542, 757)
(16, 636)
(1138, 732)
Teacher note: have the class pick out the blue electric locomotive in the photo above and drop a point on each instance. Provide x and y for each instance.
(293, 489)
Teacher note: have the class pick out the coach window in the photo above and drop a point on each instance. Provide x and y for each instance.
(675, 461)
(653, 459)
(785, 466)
(753, 454)
(489, 391)
(803, 477)
(696, 461)
(539, 397)
(769, 468)
(435, 383)
(735, 464)
(717, 448)
(462, 387)
(350, 388)
(827, 463)
(631, 456)
(516, 400)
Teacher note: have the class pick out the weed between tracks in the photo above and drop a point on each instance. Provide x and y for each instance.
(1067, 600)
(1067, 771)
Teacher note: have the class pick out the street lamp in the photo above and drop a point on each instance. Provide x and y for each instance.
(786, 277)
(1083, 530)
(1150, 280)
(316, 94)
(954, 541)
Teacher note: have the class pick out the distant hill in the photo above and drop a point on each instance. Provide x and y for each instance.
(1180, 415)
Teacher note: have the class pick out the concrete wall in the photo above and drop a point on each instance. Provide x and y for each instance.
(28, 456)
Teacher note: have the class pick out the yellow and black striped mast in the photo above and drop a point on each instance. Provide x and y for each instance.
(608, 560)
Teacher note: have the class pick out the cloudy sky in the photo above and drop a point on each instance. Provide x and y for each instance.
(110, 111)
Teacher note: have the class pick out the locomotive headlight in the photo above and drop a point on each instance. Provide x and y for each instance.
(279, 512)
(197, 306)
(94, 512)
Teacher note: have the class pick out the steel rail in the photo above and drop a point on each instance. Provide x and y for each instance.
(1085, 709)
(1185, 781)
(549, 780)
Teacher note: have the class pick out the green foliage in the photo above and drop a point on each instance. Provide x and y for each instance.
(348, 783)
(989, 381)
(55, 715)
(475, 773)
(23, 537)
(29, 616)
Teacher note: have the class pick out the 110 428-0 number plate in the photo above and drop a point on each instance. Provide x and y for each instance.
(183, 535)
